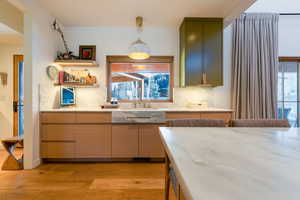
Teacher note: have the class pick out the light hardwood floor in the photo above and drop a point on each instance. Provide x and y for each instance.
(98, 181)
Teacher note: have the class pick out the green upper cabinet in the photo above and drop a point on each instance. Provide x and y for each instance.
(201, 52)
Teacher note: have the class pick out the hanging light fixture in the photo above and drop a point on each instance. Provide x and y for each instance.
(139, 50)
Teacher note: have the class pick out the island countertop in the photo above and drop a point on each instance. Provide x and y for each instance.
(235, 163)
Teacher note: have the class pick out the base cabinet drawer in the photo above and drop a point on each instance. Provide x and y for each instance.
(58, 118)
(182, 115)
(58, 133)
(93, 118)
(58, 149)
(150, 144)
(125, 141)
(93, 141)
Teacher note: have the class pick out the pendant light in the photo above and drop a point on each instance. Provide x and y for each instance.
(139, 50)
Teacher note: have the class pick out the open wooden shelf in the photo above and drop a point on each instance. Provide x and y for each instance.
(78, 85)
(76, 63)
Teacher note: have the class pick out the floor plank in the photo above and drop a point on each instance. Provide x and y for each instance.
(84, 181)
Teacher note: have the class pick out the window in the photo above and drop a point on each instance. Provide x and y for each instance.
(288, 91)
(146, 80)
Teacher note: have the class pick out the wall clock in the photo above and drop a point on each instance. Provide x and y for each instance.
(52, 72)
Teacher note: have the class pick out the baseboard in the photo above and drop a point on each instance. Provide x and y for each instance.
(36, 163)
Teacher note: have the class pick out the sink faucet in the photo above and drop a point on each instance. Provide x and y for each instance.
(139, 104)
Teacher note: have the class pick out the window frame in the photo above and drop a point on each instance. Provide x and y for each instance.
(297, 60)
(152, 59)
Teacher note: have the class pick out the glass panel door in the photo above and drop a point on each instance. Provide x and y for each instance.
(21, 99)
(288, 92)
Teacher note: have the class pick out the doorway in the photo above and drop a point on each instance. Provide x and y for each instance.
(18, 97)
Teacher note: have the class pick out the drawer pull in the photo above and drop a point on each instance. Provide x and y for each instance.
(139, 117)
(61, 141)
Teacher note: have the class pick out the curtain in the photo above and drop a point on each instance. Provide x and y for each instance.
(255, 66)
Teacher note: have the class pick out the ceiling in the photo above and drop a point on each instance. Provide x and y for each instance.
(9, 36)
(123, 12)
(278, 6)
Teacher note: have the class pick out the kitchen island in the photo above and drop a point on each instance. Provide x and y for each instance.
(234, 163)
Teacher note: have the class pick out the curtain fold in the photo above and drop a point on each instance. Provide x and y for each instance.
(255, 66)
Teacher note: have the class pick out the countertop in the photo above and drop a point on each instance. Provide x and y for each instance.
(235, 163)
(173, 109)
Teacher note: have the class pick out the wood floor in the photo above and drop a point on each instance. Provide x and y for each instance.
(107, 181)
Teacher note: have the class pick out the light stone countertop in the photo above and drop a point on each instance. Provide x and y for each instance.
(99, 109)
(235, 163)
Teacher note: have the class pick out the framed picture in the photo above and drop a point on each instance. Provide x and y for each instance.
(87, 52)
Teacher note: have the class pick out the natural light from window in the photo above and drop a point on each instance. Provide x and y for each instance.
(141, 81)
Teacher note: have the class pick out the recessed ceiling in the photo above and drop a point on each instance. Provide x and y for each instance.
(9, 36)
(123, 12)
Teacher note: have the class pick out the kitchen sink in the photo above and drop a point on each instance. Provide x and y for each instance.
(145, 115)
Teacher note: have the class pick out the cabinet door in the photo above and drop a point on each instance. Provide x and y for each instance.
(93, 141)
(213, 51)
(194, 53)
(125, 139)
(150, 144)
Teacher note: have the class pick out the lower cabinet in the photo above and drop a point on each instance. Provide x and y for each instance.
(76, 141)
(55, 149)
(92, 141)
(150, 144)
(125, 142)
(136, 141)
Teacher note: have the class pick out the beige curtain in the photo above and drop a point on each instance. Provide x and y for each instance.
(255, 66)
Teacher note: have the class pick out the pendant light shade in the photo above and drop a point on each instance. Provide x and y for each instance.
(139, 50)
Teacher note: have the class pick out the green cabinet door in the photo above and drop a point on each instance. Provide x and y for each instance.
(201, 52)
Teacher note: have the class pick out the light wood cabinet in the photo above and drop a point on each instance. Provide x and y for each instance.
(92, 135)
(58, 133)
(58, 118)
(182, 115)
(92, 141)
(125, 141)
(55, 149)
(150, 144)
(93, 117)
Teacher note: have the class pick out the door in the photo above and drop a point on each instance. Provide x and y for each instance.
(18, 101)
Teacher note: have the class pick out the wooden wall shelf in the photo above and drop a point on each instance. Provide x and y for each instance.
(76, 63)
(78, 85)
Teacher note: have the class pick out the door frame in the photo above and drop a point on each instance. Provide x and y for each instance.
(16, 60)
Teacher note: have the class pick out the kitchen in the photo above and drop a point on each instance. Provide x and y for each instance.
(96, 117)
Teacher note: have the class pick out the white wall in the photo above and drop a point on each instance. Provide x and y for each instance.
(41, 44)
(6, 92)
(289, 35)
(278, 6)
(115, 41)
